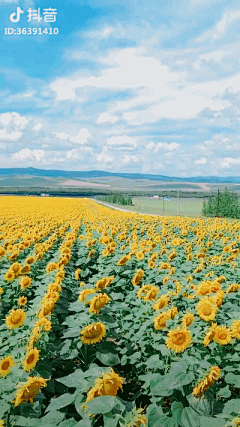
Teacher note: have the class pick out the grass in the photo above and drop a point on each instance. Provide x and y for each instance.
(186, 206)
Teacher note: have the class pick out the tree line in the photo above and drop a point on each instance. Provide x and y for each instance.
(223, 204)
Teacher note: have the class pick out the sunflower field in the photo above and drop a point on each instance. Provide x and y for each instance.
(115, 319)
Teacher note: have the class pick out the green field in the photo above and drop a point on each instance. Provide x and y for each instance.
(182, 206)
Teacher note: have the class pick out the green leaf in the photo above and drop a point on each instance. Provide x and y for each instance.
(211, 422)
(201, 406)
(233, 379)
(232, 407)
(170, 422)
(224, 392)
(52, 417)
(101, 405)
(189, 418)
(26, 422)
(154, 362)
(4, 407)
(60, 402)
(176, 408)
(108, 359)
(154, 412)
(111, 420)
(72, 380)
(72, 332)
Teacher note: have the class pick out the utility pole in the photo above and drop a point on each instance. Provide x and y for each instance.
(178, 202)
(218, 200)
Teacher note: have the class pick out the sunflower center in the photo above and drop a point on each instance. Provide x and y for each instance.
(179, 339)
(206, 310)
(32, 390)
(30, 359)
(16, 318)
(5, 365)
(223, 336)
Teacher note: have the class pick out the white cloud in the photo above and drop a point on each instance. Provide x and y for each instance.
(130, 159)
(107, 118)
(12, 136)
(104, 156)
(127, 68)
(103, 33)
(26, 154)
(37, 127)
(202, 161)
(162, 146)
(81, 137)
(14, 118)
(229, 162)
(229, 17)
(61, 135)
(122, 142)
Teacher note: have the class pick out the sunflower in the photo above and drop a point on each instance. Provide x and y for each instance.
(209, 335)
(2, 424)
(151, 294)
(222, 335)
(15, 318)
(47, 308)
(93, 333)
(54, 287)
(165, 280)
(98, 302)
(178, 339)
(207, 382)
(232, 288)
(138, 276)
(25, 269)
(77, 273)
(25, 282)
(84, 293)
(206, 309)
(31, 359)
(161, 302)
(29, 390)
(22, 301)
(160, 320)
(51, 266)
(104, 282)
(235, 329)
(9, 276)
(5, 364)
(30, 260)
(140, 255)
(143, 291)
(107, 385)
(45, 323)
(187, 319)
(16, 267)
(123, 260)
(1, 290)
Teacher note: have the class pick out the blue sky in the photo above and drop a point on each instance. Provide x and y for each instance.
(129, 86)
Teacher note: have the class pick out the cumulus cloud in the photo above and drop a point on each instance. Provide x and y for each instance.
(107, 118)
(15, 119)
(229, 162)
(122, 142)
(12, 136)
(82, 136)
(130, 159)
(27, 154)
(104, 157)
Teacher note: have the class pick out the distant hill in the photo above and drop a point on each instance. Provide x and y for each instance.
(101, 174)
